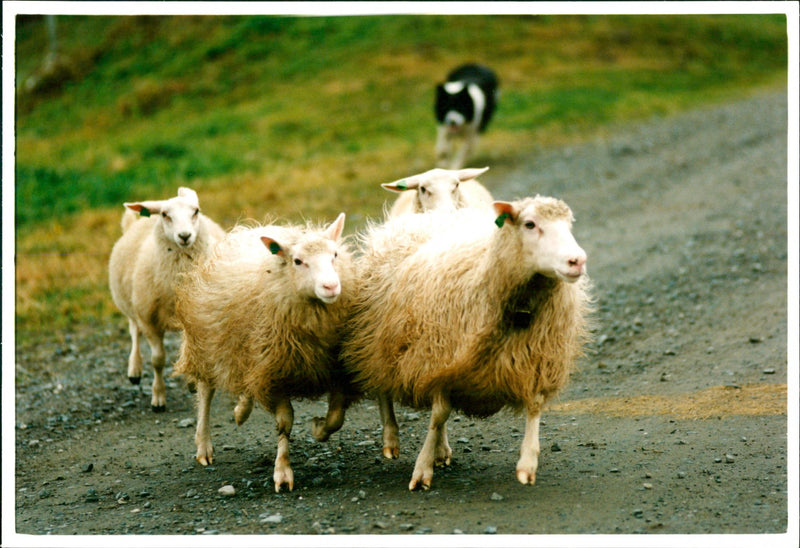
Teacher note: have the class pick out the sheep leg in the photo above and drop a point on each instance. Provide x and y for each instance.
(157, 355)
(284, 418)
(202, 436)
(431, 450)
(242, 410)
(322, 428)
(135, 359)
(391, 443)
(529, 453)
(443, 452)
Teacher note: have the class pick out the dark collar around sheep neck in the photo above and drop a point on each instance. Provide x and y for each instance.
(525, 300)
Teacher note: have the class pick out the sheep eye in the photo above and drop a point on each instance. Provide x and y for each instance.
(423, 190)
(335, 254)
(298, 262)
(164, 215)
(196, 211)
(530, 225)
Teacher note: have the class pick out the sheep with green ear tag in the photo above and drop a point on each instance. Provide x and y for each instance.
(439, 189)
(262, 318)
(161, 239)
(468, 311)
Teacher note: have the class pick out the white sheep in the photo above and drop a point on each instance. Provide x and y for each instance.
(439, 189)
(161, 239)
(470, 317)
(435, 189)
(262, 319)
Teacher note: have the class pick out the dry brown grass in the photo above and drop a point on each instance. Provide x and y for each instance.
(61, 270)
(717, 401)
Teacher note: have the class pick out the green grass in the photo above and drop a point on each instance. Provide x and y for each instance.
(303, 117)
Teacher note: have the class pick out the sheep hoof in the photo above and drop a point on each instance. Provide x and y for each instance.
(318, 429)
(391, 452)
(135, 380)
(242, 411)
(205, 461)
(421, 479)
(283, 477)
(158, 408)
(526, 477)
(417, 484)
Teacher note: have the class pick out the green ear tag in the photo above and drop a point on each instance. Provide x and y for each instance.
(500, 221)
(274, 248)
(144, 212)
(401, 185)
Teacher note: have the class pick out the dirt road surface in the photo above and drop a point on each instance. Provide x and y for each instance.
(674, 423)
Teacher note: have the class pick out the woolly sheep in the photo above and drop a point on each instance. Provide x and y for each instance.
(439, 189)
(261, 319)
(474, 318)
(160, 240)
(435, 189)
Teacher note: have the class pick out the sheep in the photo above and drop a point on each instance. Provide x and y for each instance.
(261, 319)
(439, 189)
(470, 317)
(160, 240)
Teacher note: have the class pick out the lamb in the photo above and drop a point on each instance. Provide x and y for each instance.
(474, 318)
(261, 318)
(145, 264)
(439, 189)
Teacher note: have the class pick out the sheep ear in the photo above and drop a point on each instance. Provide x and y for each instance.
(470, 173)
(335, 229)
(189, 194)
(505, 212)
(409, 183)
(273, 246)
(145, 208)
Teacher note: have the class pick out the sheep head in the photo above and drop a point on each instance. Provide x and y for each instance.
(436, 188)
(179, 217)
(313, 260)
(544, 229)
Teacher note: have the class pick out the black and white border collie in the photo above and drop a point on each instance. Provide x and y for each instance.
(464, 106)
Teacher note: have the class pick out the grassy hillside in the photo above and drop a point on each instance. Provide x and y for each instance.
(304, 117)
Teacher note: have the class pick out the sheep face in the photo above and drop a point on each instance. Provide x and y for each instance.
(313, 262)
(179, 217)
(544, 229)
(436, 188)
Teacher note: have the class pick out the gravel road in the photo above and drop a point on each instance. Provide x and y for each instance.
(674, 423)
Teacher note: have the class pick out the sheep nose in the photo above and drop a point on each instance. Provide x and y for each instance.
(577, 262)
(185, 236)
(330, 286)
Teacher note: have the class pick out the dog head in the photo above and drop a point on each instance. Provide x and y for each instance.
(455, 107)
